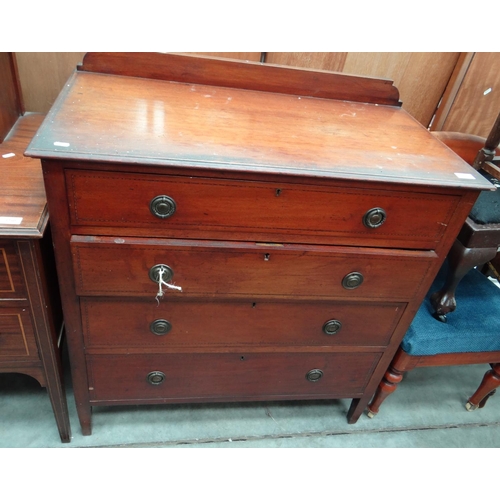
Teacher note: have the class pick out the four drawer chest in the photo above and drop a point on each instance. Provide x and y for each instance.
(235, 231)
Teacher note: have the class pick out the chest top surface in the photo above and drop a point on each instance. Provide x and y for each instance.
(23, 205)
(125, 119)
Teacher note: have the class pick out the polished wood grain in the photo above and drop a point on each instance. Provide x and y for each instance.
(108, 201)
(115, 323)
(22, 193)
(219, 128)
(243, 75)
(120, 266)
(222, 377)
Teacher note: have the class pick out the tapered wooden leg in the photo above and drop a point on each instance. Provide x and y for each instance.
(491, 381)
(84, 411)
(461, 260)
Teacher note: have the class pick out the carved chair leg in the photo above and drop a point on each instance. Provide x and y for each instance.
(491, 381)
(386, 387)
(461, 260)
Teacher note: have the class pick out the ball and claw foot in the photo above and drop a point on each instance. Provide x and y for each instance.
(440, 317)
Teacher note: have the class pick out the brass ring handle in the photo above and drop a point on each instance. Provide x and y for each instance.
(162, 206)
(314, 375)
(154, 273)
(332, 327)
(156, 378)
(352, 281)
(160, 326)
(374, 218)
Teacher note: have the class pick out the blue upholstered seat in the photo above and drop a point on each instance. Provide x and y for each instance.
(473, 327)
(486, 210)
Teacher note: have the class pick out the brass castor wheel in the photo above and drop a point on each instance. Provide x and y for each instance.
(471, 407)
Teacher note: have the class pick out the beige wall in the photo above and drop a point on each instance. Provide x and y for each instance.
(43, 75)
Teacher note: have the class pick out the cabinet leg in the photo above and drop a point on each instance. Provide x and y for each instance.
(355, 411)
(84, 411)
(60, 407)
(490, 382)
(461, 260)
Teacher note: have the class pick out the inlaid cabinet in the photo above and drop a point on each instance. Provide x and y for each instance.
(30, 309)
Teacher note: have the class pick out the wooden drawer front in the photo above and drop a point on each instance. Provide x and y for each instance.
(11, 281)
(215, 269)
(229, 209)
(16, 333)
(228, 376)
(127, 324)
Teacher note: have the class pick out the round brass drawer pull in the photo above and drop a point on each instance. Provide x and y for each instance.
(154, 273)
(156, 378)
(162, 206)
(314, 375)
(160, 326)
(374, 218)
(332, 327)
(352, 281)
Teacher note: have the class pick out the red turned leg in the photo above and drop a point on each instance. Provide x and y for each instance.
(491, 381)
(401, 363)
(387, 386)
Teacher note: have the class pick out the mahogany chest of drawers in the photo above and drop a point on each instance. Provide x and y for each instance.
(230, 231)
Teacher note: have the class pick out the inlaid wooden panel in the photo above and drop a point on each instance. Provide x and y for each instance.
(11, 281)
(16, 333)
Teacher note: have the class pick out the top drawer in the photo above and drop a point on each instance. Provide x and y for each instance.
(249, 210)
